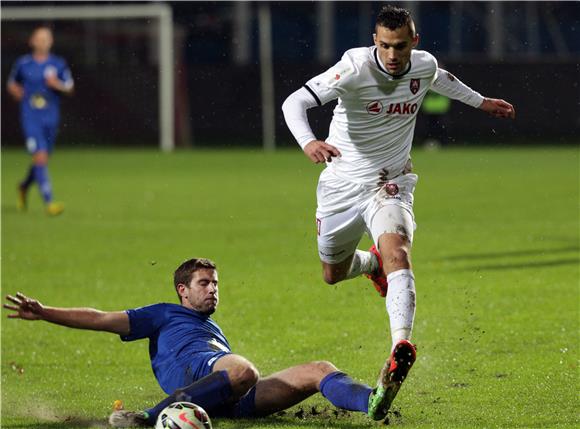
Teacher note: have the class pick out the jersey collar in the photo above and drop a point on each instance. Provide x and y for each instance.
(382, 68)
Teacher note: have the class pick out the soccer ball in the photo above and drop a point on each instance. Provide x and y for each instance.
(183, 415)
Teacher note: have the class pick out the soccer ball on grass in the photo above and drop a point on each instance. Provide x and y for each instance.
(183, 415)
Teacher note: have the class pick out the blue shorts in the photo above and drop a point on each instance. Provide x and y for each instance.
(200, 365)
(39, 136)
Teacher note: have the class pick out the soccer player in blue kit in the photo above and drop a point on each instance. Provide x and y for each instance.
(192, 359)
(37, 81)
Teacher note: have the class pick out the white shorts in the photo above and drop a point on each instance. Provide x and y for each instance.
(347, 210)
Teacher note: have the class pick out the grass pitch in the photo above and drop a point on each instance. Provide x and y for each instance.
(495, 257)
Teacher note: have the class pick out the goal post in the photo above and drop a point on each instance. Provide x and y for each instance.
(159, 11)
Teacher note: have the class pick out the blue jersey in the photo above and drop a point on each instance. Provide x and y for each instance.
(40, 102)
(177, 337)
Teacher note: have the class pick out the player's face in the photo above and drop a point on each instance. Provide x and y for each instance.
(41, 40)
(394, 47)
(202, 293)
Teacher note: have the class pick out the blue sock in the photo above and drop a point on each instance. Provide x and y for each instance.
(208, 392)
(343, 392)
(41, 177)
(25, 184)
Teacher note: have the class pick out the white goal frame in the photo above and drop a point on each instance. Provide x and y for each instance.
(161, 12)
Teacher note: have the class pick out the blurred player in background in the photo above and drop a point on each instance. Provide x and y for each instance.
(192, 359)
(368, 183)
(37, 82)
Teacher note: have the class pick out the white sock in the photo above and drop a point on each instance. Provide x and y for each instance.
(401, 304)
(362, 263)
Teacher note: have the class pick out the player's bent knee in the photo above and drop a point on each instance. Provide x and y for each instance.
(40, 158)
(331, 275)
(330, 278)
(324, 367)
(244, 377)
(396, 258)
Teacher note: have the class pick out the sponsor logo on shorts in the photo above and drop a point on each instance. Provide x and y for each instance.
(415, 85)
(331, 254)
(212, 360)
(392, 189)
(31, 144)
(318, 222)
(374, 107)
(217, 346)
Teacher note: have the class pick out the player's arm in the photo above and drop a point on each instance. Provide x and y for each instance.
(447, 84)
(15, 90)
(27, 308)
(294, 109)
(60, 79)
(53, 82)
(14, 84)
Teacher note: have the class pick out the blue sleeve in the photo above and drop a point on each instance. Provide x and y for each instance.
(145, 321)
(64, 73)
(15, 73)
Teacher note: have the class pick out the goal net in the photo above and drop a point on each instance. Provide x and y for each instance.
(121, 58)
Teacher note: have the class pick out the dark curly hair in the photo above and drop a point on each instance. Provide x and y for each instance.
(393, 17)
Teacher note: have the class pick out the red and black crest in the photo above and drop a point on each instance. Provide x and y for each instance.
(374, 107)
(415, 85)
(392, 189)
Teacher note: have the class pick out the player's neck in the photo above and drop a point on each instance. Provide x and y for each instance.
(40, 57)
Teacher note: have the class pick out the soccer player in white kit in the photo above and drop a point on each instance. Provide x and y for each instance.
(368, 183)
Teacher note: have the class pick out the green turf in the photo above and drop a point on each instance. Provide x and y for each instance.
(496, 264)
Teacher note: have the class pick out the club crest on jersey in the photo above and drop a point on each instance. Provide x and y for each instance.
(374, 107)
(415, 85)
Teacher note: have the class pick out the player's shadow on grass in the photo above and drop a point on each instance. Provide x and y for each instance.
(496, 255)
(523, 265)
(284, 423)
(239, 424)
(9, 209)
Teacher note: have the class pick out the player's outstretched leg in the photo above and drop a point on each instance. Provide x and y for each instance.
(378, 276)
(390, 379)
(291, 386)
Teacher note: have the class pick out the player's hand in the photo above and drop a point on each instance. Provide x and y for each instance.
(498, 108)
(16, 91)
(25, 308)
(319, 151)
(53, 82)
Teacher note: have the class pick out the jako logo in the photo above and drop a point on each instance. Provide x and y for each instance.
(374, 107)
(402, 109)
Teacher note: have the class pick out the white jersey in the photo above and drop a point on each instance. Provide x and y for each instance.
(374, 121)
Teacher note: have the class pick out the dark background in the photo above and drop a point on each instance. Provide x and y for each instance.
(218, 98)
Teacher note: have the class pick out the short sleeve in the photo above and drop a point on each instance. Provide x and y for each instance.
(145, 321)
(334, 82)
(65, 75)
(15, 73)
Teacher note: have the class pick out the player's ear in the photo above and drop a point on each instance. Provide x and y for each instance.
(182, 290)
(416, 40)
